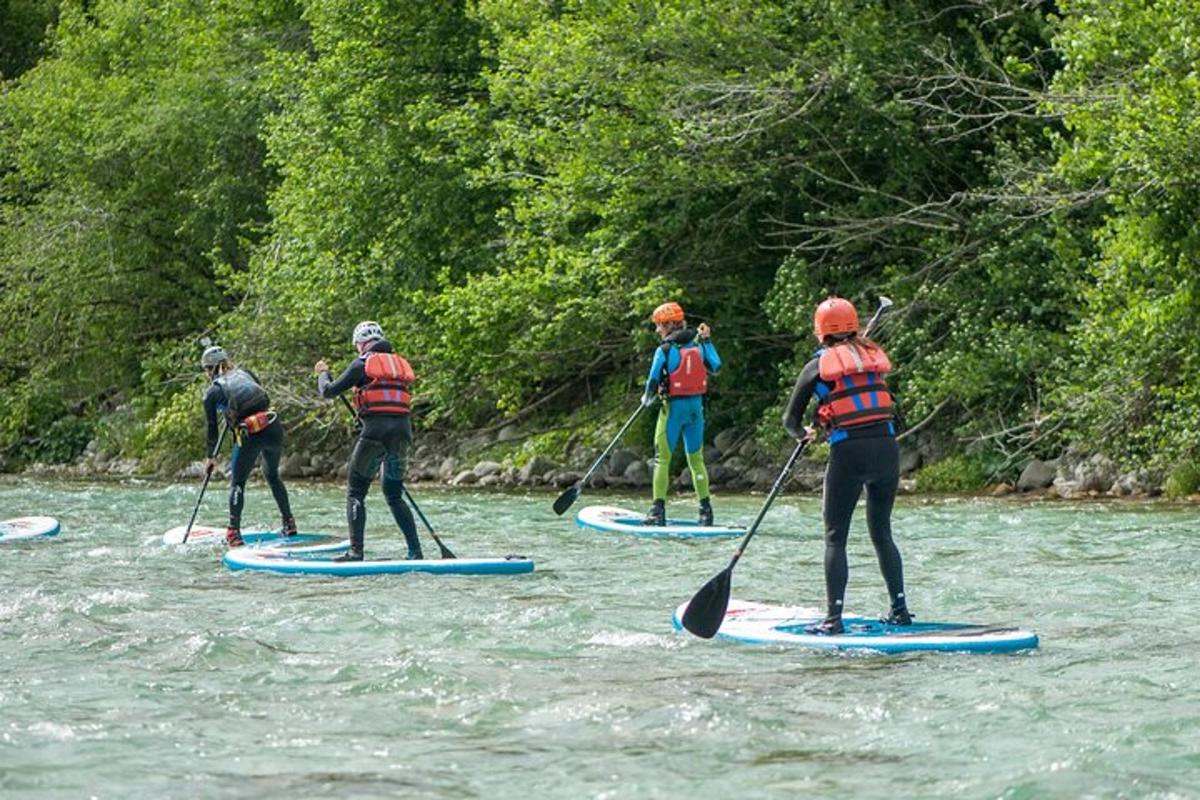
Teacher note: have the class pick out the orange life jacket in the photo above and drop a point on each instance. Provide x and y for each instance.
(387, 390)
(859, 393)
(691, 376)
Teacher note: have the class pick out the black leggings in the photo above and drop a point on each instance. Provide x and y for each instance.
(873, 462)
(386, 440)
(269, 444)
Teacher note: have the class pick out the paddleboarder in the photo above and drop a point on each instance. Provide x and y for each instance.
(237, 394)
(382, 382)
(854, 410)
(679, 377)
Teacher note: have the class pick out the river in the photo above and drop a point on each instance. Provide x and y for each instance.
(130, 669)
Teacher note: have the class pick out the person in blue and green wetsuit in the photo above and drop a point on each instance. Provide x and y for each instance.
(679, 375)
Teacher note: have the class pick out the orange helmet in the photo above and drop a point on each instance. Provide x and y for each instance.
(835, 316)
(667, 312)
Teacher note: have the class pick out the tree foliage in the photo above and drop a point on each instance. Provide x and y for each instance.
(511, 187)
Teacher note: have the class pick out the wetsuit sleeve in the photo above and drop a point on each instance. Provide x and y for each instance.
(214, 396)
(802, 392)
(656, 370)
(711, 359)
(351, 377)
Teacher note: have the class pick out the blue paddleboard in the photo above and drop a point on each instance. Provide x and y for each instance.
(759, 623)
(21, 529)
(611, 519)
(274, 560)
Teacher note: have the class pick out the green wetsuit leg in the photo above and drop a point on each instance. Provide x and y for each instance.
(699, 473)
(662, 454)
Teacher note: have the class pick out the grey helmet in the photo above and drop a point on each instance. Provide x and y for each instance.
(213, 356)
(366, 331)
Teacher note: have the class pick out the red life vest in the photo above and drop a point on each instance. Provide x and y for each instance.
(690, 378)
(860, 394)
(387, 390)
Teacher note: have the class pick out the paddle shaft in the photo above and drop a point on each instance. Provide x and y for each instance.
(762, 512)
(208, 471)
(611, 445)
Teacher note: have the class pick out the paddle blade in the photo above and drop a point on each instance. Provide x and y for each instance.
(706, 612)
(445, 550)
(566, 499)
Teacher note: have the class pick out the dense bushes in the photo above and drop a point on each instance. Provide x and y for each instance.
(511, 187)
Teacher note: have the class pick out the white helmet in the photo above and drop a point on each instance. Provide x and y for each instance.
(213, 356)
(366, 331)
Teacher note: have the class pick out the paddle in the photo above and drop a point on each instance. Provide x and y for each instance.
(706, 611)
(208, 471)
(446, 552)
(567, 498)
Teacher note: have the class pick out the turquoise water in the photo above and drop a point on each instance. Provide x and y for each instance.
(132, 670)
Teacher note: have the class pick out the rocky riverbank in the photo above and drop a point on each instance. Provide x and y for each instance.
(736, 462)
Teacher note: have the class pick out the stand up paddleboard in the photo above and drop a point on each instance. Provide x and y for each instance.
(272, 560)
(23, 528)
(621, 520)
(206, 536)
(759, 623)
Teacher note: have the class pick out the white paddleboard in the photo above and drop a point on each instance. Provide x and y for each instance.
(208, 536)
(611, 519)
(760, 623)
(22, 529)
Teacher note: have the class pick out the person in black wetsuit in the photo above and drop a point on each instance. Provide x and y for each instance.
(237, 394)
(854, 408)
(381, 381)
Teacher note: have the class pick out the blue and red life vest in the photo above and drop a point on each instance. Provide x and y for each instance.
(854, 391)
(690, 377)
(389, 377)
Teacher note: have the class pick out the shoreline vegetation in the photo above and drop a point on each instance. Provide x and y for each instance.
(509, 189)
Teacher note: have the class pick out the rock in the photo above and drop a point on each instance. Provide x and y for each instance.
(711, 455)
(808, 479)
(465, 478)
(907, 486)
(1138, 482)
(1036, 475)
(683, 480)
(293, 465)
(719, 475)
(1001, 489)
(343, 471)
(750, 450)
(910, 460)
(448, 468)
(736, 464)
(494, 479)
(1096, 474)
(508, 433)
(1067, 489)
(534, 469)
(192, 470)
(726, 439)
(637, 474)
(620, 460)
(762, 477)
(565, 478)
(485, 468)
(584, 457)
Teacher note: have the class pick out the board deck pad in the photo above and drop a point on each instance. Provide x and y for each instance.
(621, 520)
(287, 562)
(21, 529)
(761, 623)
(209, 536)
